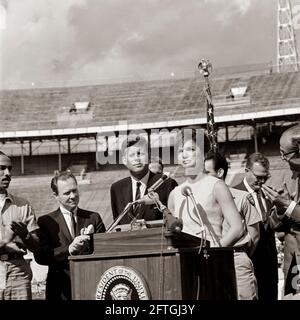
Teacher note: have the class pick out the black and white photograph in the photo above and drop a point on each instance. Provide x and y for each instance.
(150, 150)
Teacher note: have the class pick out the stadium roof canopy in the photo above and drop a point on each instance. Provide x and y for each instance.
(42, 113)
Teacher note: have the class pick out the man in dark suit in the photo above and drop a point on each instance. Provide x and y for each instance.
(264, 257)
(135, 158)
(286, 218)
(64, 232)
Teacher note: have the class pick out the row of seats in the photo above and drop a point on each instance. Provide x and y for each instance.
(171, 99)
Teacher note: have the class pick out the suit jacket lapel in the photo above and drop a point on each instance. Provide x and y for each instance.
(127, 191)
(63, 225)
(297, 192)
(80, 221)
(150, 181)
(243, 187)
(126, 194)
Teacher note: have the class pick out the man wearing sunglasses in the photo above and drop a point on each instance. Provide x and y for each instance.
(17, 234)
(286, 199)
(264, 257)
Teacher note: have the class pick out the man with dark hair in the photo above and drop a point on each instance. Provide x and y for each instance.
(18, 229)
(216, 165)
(264, 257)
(64, 232)
(135, 158)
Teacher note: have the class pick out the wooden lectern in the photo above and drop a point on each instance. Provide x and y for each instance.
(152, 264)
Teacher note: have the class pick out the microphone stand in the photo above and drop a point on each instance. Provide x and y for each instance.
(119, 218)
(202, 228)
(171, 223)
(188, 193)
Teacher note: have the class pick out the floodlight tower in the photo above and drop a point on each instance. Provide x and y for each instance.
(287, 57)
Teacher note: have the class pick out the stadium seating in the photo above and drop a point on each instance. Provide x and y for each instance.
(139, 102)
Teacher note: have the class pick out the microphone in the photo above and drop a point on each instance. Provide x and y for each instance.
(172, 223)
(187, 191)
(159, 182)
(146, 199)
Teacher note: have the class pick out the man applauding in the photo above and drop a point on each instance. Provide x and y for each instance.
(64, 232)
(18, 230)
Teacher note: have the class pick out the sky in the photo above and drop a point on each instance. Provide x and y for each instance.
(55, 42)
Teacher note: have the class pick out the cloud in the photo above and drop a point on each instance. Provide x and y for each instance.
(243, 5)
(53, 41)
(227, 11)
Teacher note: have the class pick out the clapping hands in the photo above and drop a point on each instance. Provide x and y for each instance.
(79, 245)
(19, 229)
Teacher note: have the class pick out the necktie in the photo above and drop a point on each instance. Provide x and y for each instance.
(137, 196)
(73, 224)
(261, 208)
(138, 190)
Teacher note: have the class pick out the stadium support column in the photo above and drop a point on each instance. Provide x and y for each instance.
(255, 137)
(149, 144)
(30, 148)
(69, 146)
(96, 157)
(226, 134)
(22, 157)
(59, 155)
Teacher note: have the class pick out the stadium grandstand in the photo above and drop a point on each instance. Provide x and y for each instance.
(81, 128)
(50, 129)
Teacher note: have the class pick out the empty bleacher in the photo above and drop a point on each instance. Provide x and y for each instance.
(31, 109)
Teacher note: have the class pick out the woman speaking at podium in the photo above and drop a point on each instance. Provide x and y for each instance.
(202, 201)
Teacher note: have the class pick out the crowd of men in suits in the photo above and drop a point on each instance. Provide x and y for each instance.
(262, 210)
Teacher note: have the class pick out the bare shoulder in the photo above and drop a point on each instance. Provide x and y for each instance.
(220, 185)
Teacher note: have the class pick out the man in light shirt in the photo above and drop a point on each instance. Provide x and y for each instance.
(64, 232)
(264, 257)
(18, 229)
(216, 165)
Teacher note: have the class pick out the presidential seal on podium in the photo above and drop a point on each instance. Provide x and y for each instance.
(122, 283)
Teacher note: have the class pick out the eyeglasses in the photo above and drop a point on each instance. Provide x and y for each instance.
(285, 154)
(261, 178)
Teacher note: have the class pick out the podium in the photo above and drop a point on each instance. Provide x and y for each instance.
(152, 264)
